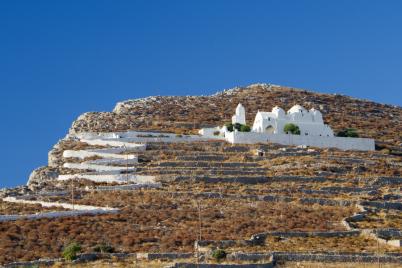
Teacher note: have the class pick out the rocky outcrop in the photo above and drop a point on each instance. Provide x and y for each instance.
(16, 191)
(40, 175)
(55, 155)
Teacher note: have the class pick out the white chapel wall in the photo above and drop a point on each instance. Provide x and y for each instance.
(288, 139)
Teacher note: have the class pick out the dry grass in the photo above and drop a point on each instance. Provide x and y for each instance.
(381, 219)
(320, 244)
(156, 221)
(8, 208)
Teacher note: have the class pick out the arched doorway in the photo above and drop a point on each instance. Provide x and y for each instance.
(269, 129)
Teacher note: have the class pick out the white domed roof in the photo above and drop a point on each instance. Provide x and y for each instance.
(313, 110)
(317, 116)
(277, 108)
(278, 111)
(297, 109)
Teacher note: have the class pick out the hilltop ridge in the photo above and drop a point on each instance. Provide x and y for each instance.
(184, 114)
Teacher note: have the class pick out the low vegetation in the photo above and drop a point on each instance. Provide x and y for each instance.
(7, 208)
(381, 219)
(291, 129)
(70, 251)
(237, 126)
(219, 255)
(349, 132)
(159, 221)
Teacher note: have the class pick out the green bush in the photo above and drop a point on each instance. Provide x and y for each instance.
(245, 128)
(219, 255)
(292, 129)
(229, 126)
(103, 248)
(239, 127)
(349, 132)
(70, 251)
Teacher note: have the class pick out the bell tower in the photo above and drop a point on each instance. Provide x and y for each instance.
(240, 116)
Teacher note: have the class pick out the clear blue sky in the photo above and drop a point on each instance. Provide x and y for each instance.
(59, 59)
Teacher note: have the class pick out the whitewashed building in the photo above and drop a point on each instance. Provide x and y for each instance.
(309, 122)
(269, 127)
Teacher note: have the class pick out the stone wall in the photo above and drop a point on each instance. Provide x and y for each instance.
(337, 257)
(308, 234)
(268, 259)
(383, 205)
(205, 265)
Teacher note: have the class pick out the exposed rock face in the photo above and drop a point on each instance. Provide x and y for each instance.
(40, 175)
(55, 156)
(15, 191)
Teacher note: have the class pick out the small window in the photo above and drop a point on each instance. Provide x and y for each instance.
(306, 134)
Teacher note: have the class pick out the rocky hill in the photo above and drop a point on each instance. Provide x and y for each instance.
(181, 114)
(165, 197)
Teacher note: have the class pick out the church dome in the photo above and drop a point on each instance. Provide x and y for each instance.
(314, 111)
(278, 111)
(297, 109)
(317, 116)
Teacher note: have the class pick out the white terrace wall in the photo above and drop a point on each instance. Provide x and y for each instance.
(77, 210)
(114, 153)
(96, 167)
(120, 138)
(110, 177)
(316, 141)
(117, 143)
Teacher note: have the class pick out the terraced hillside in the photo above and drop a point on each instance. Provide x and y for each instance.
(290, 199)
(166, 197)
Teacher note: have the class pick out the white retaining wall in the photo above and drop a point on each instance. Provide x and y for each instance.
(115, 138)
(105, 171)
(97, 167)
(12, 199)
(128, 187)
(89, 153)
(77, 210)
(109, 161)
(116, 142)
(316, 141)
(109, 178)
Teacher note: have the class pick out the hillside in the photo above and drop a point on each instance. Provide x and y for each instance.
(154, 194)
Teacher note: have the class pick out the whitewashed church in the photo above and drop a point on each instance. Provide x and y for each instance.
(269, 127)
(309, 122)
